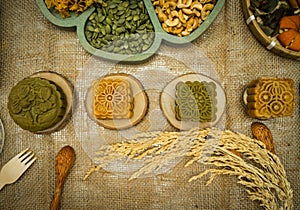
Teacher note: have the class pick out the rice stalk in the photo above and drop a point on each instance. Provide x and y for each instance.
(230, 153)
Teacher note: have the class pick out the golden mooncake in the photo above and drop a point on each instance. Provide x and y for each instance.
(270, 98)
(112, 99)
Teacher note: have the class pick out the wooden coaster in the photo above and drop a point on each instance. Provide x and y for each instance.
(67, 88)
(245, 95)
(140, 106)
(167, 102)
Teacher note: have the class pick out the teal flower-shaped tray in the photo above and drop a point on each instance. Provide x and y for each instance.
(80, 22)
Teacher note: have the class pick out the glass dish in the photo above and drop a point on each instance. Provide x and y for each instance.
(2, 136)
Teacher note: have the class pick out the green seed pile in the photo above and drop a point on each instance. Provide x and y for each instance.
(120, 26)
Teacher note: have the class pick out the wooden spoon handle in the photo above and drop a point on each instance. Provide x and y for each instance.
(56, 198)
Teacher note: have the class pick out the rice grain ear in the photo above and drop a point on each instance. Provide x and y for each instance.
(262, 133)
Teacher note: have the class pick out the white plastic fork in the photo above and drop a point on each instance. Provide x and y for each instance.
(14, 168)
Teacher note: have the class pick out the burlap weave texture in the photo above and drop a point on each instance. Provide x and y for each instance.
(29, 43)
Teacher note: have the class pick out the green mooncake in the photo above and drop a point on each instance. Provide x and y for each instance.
(36, 104)
(196, 101)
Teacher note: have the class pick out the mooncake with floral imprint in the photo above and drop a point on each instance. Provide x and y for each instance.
(270, 97)
(196, 101)
(36, 104)
(112, 99)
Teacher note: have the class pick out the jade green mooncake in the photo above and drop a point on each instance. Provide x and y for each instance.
(36, 104)
(196, 101)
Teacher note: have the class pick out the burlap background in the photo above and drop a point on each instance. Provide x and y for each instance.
(29, 43)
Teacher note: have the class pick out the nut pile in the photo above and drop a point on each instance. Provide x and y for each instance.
(181, 17)
(64, 7)
(120, 26)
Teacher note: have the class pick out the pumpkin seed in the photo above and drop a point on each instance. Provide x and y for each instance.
(107, 29)
(92, 16)
(108, 20)
(101, 18)
(90, 28)
(112, 6)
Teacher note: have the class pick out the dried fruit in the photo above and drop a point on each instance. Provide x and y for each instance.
(64, 7)
(294, 3)
(268, 14)
(262, 133)
(264, 5)
(290, 35)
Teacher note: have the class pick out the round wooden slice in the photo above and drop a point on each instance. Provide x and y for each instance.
(140, 106)
(67, 88)
(167, 102)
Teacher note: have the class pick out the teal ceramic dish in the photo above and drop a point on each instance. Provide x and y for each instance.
(79, 22)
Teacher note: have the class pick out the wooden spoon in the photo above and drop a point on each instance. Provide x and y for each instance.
(64, 162)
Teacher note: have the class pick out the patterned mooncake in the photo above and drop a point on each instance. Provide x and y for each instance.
(270, 97)
(196, 101)
(112, 99)
(36, 104)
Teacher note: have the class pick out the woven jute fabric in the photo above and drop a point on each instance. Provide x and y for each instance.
(227, 52)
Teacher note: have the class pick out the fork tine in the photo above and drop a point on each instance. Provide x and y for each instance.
(22, 153)
(30, 161)
(29, 158)
(26, 155)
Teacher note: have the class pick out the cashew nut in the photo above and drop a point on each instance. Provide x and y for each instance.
(195, 25)
(206, 10)
(179, 25)
(196, 12)
(161, 3)
(181, 17)
(162, 16)
(188, 3)
(185, 33)
(187, 11)
(196, 5)
(155, 3)
(176, 30)
(165, 27)
(190, 23)
(184, 4)
(169, 4)
(180, 4)
(186, 17)
(174, 13)
(172, 22)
